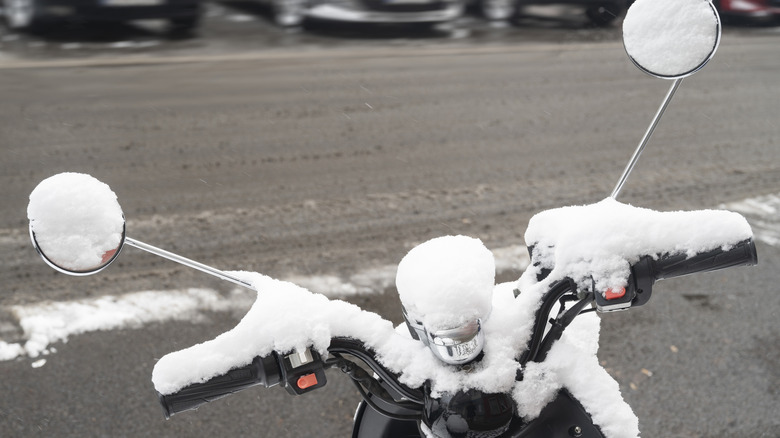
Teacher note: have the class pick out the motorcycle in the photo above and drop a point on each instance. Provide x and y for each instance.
(473, 359)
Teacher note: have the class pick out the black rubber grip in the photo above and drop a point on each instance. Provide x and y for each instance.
(262, 371)
(741, 254)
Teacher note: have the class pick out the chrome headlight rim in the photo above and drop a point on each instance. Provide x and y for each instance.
(455, 346)
(459, 345)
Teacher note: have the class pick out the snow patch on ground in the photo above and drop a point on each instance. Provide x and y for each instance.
(763, 214)
(49, 322)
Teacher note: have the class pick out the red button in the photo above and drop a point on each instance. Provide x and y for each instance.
(613, 294)
(307, 381)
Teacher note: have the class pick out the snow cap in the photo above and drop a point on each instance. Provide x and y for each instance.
(600, 241)
(671, 38)
(77, 221)
(447, 281)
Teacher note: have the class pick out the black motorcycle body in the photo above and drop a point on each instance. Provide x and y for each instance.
(564, 417)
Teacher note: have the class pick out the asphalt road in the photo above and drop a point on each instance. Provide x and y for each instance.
(294, 161)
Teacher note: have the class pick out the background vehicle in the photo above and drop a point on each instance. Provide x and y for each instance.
(183, 15)
(294, 12)
(599, 12)
(758, 10)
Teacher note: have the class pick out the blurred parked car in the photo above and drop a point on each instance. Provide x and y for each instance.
(293, 12)
(183, 15)
(763, 10)
(600, 12)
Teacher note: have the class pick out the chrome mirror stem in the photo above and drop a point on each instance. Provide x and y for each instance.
(187, 262)
(646, 137)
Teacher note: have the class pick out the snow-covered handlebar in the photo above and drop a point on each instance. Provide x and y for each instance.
(298, 372)
(649, 269)
(261, 371)
(669, 266)
(301, 372)
(644, 274)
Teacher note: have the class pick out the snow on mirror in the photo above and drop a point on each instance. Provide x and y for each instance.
(76, 223)
(671, 39)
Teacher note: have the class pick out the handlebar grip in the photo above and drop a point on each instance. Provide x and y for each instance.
(262, 371)
(741, 254)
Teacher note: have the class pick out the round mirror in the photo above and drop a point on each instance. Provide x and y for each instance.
(671, 39)
(76, 223)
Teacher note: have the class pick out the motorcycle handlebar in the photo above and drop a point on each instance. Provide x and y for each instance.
(650, 269)
(298, 372)
(741, 254)
(274, 369)
(264, 371)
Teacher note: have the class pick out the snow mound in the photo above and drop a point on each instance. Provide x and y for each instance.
(447, 281)
(671, 37)
(76, 220)
(602, 240)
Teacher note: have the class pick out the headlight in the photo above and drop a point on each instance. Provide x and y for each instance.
(455, 346)
(458, 345)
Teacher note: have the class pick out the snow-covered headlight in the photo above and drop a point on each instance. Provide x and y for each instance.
(446, 289)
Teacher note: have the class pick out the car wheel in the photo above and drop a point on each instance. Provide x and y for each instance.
(183, 25)
(497, 10)
(603, 14)
(288, 13)
(20, 14)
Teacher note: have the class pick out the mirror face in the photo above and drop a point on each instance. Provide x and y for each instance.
(76, 223)
(671, 39)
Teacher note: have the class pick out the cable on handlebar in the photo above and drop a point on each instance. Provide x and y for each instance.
(556, 291)
(374, 406)
(358, 349)
(361, 378)
(559, 325)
